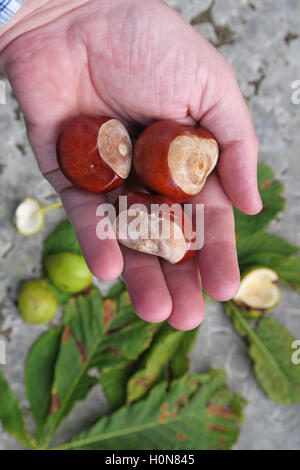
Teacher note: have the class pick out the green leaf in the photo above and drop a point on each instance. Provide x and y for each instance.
(117, 290)
(114, 379)
(197, 412)
(157, 358)
(62, 240)
(39, 374)
(288, 270)
(162, 359)
(263, 242)
(270, 348)
(273, 203)
(100, 333)
(206, 297)
(265, 249)
(114, 382)
(11, 415)
(287, 267)
(180, 362)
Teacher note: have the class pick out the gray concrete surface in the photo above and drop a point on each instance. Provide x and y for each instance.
(260, 38)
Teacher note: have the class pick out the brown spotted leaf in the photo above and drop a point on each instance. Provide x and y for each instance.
(166, 343)
(115, 374)
(167, 357)
(97, 332)
(196, 412)
(114, 381)
(270, 347)
(180, 363)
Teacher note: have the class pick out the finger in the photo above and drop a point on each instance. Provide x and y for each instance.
(146, 286)
(184, 285)
(103, 256)
(218, 258)
(43, 138)
(229, 121)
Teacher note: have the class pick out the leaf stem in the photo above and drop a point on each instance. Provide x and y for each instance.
(45, 209)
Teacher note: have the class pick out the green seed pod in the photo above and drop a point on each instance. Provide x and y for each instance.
(68, 272)
(259, 292)
(37, 302)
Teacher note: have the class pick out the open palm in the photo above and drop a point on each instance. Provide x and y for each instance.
(138, 61)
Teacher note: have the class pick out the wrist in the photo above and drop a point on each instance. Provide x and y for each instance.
(33, 14)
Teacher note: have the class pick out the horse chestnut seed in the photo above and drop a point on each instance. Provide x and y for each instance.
(155, 225)
(95, 153)
(175, 160)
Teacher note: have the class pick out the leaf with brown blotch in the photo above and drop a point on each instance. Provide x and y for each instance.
(196, 412)
(102, 333)
(164, 346)
(270, 347)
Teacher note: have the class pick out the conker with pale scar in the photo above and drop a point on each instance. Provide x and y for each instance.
(155, 225)
(95, 153)
(174, 159)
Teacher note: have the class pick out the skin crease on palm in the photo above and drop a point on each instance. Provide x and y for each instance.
(138, 61)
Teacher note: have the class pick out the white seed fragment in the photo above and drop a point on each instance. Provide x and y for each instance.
(151, 234)
(115, 147)
(191, 159)
(27, 220)
(123, 149)
(259, 289)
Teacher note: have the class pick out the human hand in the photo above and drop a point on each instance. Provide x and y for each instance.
(138, 61)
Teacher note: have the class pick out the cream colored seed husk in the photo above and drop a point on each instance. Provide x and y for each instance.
(191, 159)
(259, 289)
(115, 148)
(151, 234)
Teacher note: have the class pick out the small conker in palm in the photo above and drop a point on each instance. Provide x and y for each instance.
(174, 159)
(95, 153)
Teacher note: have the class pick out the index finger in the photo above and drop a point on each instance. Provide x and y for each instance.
(103, 257)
